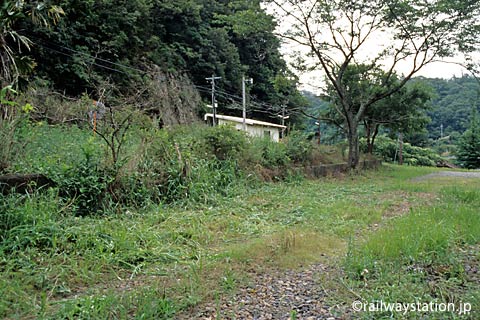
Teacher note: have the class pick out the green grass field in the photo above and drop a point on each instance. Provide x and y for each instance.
(416, 239)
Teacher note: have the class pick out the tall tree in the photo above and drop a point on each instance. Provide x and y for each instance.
(468, 153)
(404, 111)
(380, 34)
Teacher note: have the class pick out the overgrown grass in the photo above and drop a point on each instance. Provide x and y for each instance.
(158, 256)
(98, 264)
(424, 256)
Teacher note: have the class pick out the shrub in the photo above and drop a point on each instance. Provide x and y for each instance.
(194, 164)
(298, 147)
(224, 142)
(412, 155)
(272, 154)
(468, 153)
(86, 183)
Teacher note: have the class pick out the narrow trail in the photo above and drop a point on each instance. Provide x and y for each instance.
(288, 294)
(294, 294)
(459, 174)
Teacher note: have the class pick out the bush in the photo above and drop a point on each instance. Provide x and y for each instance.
(224, 142)
(272, 154)
(194, 164)
(468, 153)
(412, 155)
(86, 184)
(298, 147)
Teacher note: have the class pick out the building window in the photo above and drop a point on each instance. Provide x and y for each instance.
(267, 134)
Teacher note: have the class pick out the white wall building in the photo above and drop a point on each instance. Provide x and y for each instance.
(253, 127)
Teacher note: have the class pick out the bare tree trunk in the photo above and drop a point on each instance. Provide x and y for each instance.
(353, 141)
(375, 133)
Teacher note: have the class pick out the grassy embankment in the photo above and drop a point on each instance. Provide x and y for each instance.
(415, 238)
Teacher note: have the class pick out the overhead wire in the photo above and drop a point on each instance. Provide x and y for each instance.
(253, 105)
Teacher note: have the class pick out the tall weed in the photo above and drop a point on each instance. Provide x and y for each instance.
(30, 220)
(422, 237)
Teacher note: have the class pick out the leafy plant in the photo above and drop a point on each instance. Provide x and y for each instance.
(412, 155)
(11, 13)
(272, 154)
(224, 142)
(468, 152)
(12, 119)
(298, 147)
(86, 184)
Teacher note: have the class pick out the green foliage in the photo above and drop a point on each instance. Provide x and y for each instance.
(452, 104)
(298, 147)
(14, 62)
(86, 184)
(468, 149)
(272, 154)
(99, 41)
(13, 123)
(412, 155)
(29, 221)
(356, 80)
(224, 142)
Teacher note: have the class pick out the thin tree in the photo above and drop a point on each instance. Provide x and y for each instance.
(379, 34)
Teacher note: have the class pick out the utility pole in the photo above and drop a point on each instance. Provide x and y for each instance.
(244, 101)
(283, 120)
(319, 132)
(212, 80)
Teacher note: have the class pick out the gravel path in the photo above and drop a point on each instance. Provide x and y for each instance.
(289, 294)
(471, 174)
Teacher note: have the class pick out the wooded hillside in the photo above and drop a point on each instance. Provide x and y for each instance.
(129, 43)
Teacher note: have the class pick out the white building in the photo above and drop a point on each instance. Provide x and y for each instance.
(253, 127)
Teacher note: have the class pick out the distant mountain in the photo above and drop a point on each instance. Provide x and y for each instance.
(451, 107)
(452, 104)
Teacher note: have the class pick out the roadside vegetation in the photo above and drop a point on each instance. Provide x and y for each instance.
(145, 222)
(139, 210)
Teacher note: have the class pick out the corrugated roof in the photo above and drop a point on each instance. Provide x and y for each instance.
(247, 121)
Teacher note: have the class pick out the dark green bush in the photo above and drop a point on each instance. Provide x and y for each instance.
(224, 142)
(412, 155)
(298, 147)
(85, 184)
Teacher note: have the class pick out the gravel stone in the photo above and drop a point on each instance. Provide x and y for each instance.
(276, 295)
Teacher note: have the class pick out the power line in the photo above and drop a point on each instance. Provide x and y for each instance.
(254, 105)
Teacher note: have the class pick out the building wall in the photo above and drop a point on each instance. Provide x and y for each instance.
(257, 131)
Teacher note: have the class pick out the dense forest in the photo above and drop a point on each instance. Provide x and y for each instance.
(452, 105)
(130, 44)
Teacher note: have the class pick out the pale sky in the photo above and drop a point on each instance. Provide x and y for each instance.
(313, 80)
